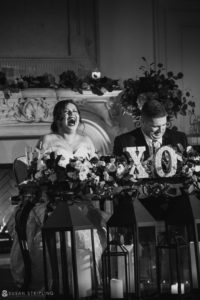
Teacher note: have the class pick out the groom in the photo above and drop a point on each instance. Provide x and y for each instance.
(153, 132)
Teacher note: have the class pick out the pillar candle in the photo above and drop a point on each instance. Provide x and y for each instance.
(121, 269)
(193, 265)
(84, 272)
(116, 288)
(174, 288)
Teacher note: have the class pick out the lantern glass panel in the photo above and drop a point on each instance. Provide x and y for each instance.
(84, 262)
(147, 260)
(193, 256)
(69, 253)
(115, 261)
(61, 249)
(55, 266)
(174, 261)
(124, 235)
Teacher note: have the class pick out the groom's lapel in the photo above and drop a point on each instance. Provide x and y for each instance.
(167, 140)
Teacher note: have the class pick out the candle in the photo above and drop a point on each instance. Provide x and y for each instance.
(121, 269)
(193, 265)
(174, 288)
(116, 288)
(84, 273)
(96, 74)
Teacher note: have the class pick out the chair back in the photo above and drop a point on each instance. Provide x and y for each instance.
(20, 169)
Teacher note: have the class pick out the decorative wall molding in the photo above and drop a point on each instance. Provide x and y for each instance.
(14, 66)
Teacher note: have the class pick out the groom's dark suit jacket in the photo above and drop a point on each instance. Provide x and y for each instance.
(136, 138)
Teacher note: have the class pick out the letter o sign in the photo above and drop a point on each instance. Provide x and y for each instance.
(173, 162)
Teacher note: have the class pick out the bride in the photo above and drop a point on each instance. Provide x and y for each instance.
(66, 140)
(64, 135)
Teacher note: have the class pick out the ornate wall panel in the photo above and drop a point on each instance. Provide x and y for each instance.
(48, 36)
(177, 46)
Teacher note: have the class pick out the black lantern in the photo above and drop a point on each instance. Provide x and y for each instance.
(69, 266)
(195, 243)
(173, 265)
(146, 225)
(115, 264)
(122, 227)
(177, 243)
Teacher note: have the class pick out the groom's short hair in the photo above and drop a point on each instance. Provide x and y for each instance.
(153, 109)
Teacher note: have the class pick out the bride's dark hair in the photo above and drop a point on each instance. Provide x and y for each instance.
(58, 112)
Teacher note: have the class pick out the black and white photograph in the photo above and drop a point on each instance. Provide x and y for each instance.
(100, 149)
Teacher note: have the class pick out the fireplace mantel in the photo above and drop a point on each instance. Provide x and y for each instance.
(27, 115)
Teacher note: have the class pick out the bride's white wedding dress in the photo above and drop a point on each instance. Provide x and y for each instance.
(36, 220)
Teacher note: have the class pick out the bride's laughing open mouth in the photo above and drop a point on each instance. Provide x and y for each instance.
(71, 121)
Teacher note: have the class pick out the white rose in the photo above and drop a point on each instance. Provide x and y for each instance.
(83, 176)
(101, 163)
(41, 164)
(38, 174)
(87, 164)
(78, 165)
(197, 168)
(96, 179)
(120, 170)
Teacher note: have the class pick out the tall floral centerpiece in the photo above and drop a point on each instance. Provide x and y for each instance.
(155, 83)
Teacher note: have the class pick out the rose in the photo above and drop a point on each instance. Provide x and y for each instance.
(78, 165)
(120, 170)
(41, 164)
(111, 167)
(96, 179)
(39, 174)
(83, 175)
(101, 163)
(197, 168)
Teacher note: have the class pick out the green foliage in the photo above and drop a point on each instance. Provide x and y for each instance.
(155, 84)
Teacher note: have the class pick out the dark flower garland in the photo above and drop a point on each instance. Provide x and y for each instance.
(153, 84)
(67, 80)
